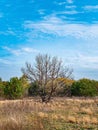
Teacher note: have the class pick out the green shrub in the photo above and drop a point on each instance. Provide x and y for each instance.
(33, 89)
(13, 89)
(2, 85)
(25, 84)
(1, 89)
(84, 87)
(96, 84)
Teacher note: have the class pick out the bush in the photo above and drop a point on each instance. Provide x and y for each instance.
(25, 84)
(13, 89)
(2, 85)
(96, 84)
(64, 90)
(33, 89)
(1, 89)
(84, 87)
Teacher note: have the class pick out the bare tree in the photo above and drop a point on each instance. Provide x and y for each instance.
(45, 72)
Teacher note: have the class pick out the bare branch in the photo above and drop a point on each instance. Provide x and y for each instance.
(45, 72)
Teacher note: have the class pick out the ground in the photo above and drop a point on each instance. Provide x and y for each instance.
(59, 114)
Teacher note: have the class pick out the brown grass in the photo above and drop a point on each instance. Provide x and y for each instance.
(59, 114)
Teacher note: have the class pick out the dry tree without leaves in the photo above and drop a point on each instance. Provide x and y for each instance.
(45, 72)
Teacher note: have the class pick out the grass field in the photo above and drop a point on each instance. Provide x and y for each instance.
(59, 114)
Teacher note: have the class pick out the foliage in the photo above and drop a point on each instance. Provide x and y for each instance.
(45, 73)
(0, 79)
(84, 87)
(96, 84)
(63, 87)
(13, 89)
(66, 89)
(2, 85)
(25, 84)
(1, 89)
(33, 89)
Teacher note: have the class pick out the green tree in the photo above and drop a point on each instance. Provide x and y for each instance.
(84, 87)
(33, 90)
(1, 89)
(13, 89)
(0, 79)
(25, 84)
(2, 85)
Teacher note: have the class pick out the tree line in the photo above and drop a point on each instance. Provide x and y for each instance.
(46, 78)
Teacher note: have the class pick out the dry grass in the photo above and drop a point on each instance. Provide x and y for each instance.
(59, 114)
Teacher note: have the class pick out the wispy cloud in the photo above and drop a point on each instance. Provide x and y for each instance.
(4, 61)
(12, 51)
(70, 1)
(70, 6)
(91, 8)
(23, 50)
(60, 3)
(64, 3)
(80, 60)
(41, 11)
(70, 12)
(29, 50)
(56, 26)
(9, 31)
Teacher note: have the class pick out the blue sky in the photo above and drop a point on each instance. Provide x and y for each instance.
(64, 28)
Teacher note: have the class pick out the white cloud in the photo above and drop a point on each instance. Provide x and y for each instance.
(41, 11)
(80, 60)
(9, 31)
(23, 50)
(29, 50)
(88, 59)
(91, 8)
(70, 1)
(68, 12)
(65, 2)
(60, 3)
(55, 26)
(70, 7)
(4, 61)
(13, 51)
